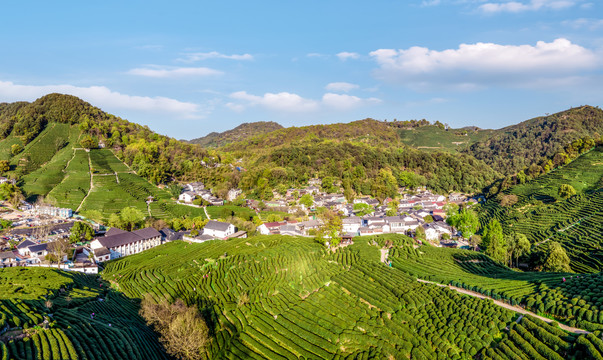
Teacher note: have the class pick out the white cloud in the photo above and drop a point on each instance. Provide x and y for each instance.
(289, 102)
(591, 24)
(173, 72)
(482, 64)
(283, 101)
(532, 5)
(341, 86)
(427, 3)
(347, 55)
(102, 97)
(198, 56)
(346, 102)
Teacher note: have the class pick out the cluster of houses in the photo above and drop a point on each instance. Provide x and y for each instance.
(420, 209)
(195, 190)
(115, 243)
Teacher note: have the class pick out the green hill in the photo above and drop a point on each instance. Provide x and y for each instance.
(50, 162)
(542, 215)
(273, 297)
(516, 147)
(240, 133)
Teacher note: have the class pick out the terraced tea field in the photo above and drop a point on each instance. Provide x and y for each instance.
(577, 301)
(277, 297)
(68, 300)
(577, 223)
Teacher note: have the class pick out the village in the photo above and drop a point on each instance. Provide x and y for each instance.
(38, 229)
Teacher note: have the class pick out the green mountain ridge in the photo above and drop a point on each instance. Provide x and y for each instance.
(240, 133)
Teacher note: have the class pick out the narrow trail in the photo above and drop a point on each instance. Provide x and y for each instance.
(69, 162)
(117, 179)
(384, 255)
(91, 184)
(206, 214)
(517, 309)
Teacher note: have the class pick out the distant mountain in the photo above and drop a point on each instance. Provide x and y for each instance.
(516, 147)
(240, 133)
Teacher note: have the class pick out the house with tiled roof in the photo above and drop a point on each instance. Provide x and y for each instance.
(122, 243)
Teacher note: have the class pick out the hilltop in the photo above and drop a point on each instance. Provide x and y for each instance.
(516, 147)
(240, 133)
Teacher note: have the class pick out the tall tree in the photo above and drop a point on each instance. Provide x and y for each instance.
(131, 217)
(493, 241)
(556, 259)
(80, 232)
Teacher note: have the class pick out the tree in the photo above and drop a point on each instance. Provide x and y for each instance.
(468, 223)
(15, 149)
(518, 245)
(131, 217)
(508, 200)
(81, 231)
(493, 241)
(183, 331)
(4, 166)
(566, 191)
(475, 241)
(331, 228)
(88, 142)
(556, 259)
(174, 190)
(362, 209)
(307, 200)
(59, 248)
(420, 234)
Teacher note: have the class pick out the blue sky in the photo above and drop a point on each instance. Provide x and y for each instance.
(187, 68)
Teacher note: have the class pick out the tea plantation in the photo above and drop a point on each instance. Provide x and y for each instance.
(278, 297)
(67, 300)
(577, 301)
(542, 215)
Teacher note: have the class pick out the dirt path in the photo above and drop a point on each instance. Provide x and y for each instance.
(517, 309)
(91, 184)
(206, 214)
(69, 162)
(384, 255)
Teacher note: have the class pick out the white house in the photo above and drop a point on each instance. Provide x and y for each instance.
(435, 230)
(219, 229)
(23, 247)
(351, 224)
(39, 251)
(187, 196)
(121, 243)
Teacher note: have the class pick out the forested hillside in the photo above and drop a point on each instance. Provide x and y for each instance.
(516, 147)
(240, 133)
